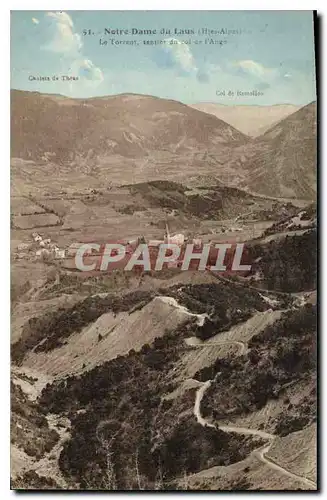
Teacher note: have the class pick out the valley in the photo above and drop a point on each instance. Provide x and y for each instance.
(161, 380)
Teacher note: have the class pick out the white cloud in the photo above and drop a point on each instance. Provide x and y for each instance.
(68, 43)
(65, 41)
(256, 70)
(35, 21)
(182, 55)
(177, 54)
(86, 69)
(62, 17)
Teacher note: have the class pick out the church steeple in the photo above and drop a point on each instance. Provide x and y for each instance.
(167, 235)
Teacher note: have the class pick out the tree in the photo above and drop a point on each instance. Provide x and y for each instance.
(107, 442)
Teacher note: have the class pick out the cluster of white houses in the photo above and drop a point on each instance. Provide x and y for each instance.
(47, 249)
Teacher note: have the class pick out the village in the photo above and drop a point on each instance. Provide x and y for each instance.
(40, 249)
(173, 251)
(44, 249)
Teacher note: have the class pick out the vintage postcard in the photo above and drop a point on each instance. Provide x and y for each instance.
(163, 250)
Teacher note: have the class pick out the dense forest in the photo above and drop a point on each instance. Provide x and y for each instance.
(290, 264)
(125, 434)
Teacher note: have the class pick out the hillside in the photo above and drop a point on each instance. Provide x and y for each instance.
(251, 120)
(63, 129)
(215, 202)
(132, 418)
(131, 138)
(172, 379)
(190, 381)
(289, 264)
(283, 161)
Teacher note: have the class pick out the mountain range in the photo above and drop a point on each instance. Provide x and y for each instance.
(148, 138)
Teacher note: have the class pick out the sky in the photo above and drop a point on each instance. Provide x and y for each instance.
(254, 57)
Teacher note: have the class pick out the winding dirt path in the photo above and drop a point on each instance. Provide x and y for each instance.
(200, 318)
(260, 453)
